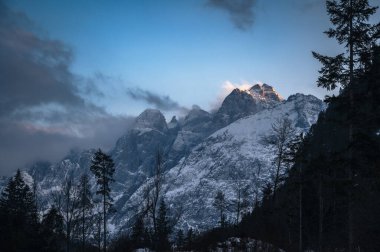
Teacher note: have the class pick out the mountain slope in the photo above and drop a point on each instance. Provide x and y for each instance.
(200, 156)
(232, 157)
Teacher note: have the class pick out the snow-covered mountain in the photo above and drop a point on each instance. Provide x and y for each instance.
(203, 152)
(231, 159)
(241, 103)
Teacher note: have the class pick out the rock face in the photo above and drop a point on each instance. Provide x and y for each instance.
(265, 93)
(151, 119)
(241, 103)
(232, 158)
(203, 152)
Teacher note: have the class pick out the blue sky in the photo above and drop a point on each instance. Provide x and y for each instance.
(186, 49)
(75, 73)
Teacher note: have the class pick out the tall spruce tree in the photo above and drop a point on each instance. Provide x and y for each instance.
(163, 228)
(180, 239)
(293, 156)
(52, 230)
(19, 227)
(358, 36)
(220, 203)
(103, 168)
(352, 30)
(85, 206)
(138, 233)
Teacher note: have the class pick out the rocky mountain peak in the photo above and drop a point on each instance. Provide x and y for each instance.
(173, 124)
(151, 119)
(174, 120)
(240, 103)
(196, 119)
(265, 93)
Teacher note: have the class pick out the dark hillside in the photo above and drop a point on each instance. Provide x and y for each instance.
(340, 180)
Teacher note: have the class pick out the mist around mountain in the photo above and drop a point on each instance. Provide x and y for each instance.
(134, 152)
(202, 152)
(231, 153)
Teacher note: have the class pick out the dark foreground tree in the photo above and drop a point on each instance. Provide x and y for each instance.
(103, 168)
(293, 155)
(315, 201)
(85, 206)
(220, 203)
(356, 34)
(352, 30)
(180, 239)
(52, 231)
(163, 228)
(138, 233)
(18, 214)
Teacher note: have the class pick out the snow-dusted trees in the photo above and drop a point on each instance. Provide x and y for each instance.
(152, 191)
(282, 133)
(240, 203)
(154, 209)
(69, 207)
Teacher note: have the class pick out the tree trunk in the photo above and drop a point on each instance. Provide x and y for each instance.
(221, 218)
(320, 229)
(257, 186)
(238, 207)
(67, 221)
(104, 224)
(83, 235)
(99, 232)
(350, 133)
(277, 175)
(154, 220)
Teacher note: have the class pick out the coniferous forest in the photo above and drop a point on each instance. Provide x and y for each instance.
(326, 200)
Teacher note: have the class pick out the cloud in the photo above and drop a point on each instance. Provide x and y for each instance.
(23, 143)
(307, 5)
(226, 88)
(240, 11)
(45, 109)
(164, 103)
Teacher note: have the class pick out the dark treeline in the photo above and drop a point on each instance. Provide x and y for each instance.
(22, 229)
(318, 206)
(321, 206)
(71, 223)
(330, 198)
